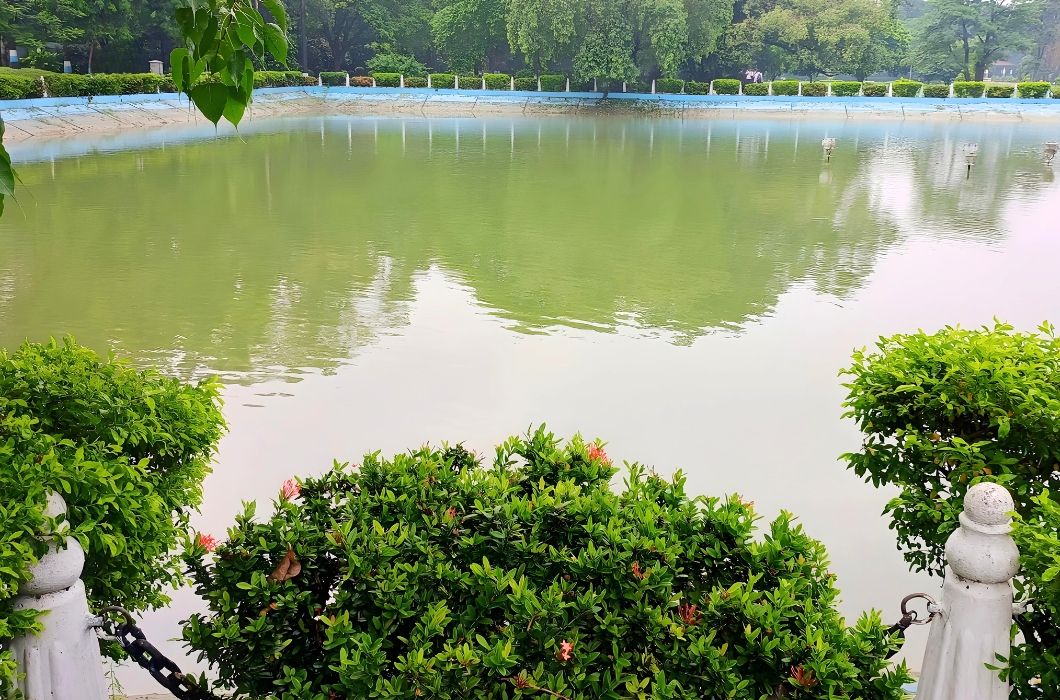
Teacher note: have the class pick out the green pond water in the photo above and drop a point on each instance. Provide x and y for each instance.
(686, 291)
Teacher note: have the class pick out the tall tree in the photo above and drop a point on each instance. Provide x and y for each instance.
(337, 22)
(1045, 37)
(974, 33)
(606, 51)
(814, 37)
(470, 32)
(102, 21)
(540, 29)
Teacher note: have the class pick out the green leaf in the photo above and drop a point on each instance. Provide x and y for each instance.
(236, 105)
(211, 99)
(274, 7)
(177, 59)
(276, 43)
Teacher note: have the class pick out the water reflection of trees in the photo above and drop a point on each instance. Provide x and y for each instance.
(306, 241)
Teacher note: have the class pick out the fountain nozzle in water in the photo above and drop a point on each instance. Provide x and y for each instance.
(971, 150)
(828, 144)
(1051, 148)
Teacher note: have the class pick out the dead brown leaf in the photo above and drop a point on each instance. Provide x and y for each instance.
(288, 568)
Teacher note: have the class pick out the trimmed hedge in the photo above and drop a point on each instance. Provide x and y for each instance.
(906, 88)
(968, 89)
(693, 87)
(470, 82)
(73, 85)
(360, 81)
(756, 89)
(1000, 90)
(846, 88)
(387, 79)
(1056, 92)
(1033, 91)
(669, 86)
(553, 83)
(415, 81)
(443, 81)
(726, 86)
(276, 78)
(873, 89)
(17, 87)
(526, 84)
(498, 81)
(815, 89)
(786, 87)
(332, 79)
(937, 91)
(638, 86)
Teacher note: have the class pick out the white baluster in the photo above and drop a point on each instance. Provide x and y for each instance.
(976, 616)
(63, 662)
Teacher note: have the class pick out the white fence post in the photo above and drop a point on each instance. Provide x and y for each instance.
(653, 86)
(63, 661)
(456, 81)
(568, 85)
(347, 80)
(513, 83)
(976, 616)
(401, 80)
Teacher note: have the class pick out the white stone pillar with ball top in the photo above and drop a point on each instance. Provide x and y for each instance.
(973, 627)
(63, 662)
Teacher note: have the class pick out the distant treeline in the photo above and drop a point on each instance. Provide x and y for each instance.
(617, 40)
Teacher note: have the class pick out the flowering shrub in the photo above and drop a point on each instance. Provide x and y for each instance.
(943, 412)
(127, 450)
(433, 576)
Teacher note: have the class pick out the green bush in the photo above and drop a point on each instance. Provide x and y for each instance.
(1055, 91)
(846, 88)
(936, 91)
(391, 80)
(756, 89)
(943, 412)
(873, 89)
(1000, 90)
(275, 78)
(526, 84)
(693, 87)
(1033, 91)
(414, 81)
(670, 86)
(127, 450)
(785, 87)
(360, 81)
(526, 73)
(906, 88)
(333, 79)
(815, 89)
(431, 574)
(498, 81)
(968, 89)
(1037, 666)
(553, 83)
(74, 85)
(396, 63)
(637, 87)
(470, 82)
(726, 86)
(443, 81)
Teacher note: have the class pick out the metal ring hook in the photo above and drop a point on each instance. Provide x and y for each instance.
(933, 608)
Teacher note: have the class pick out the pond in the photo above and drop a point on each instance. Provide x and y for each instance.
(687, 291)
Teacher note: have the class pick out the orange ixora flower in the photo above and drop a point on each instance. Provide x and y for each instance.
(208, 542)
(290, 490)
(803, 676)
(566, 649)
(688, 614)
(597, 453)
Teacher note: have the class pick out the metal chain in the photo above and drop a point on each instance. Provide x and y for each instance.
(167, 673)
(909, 617)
